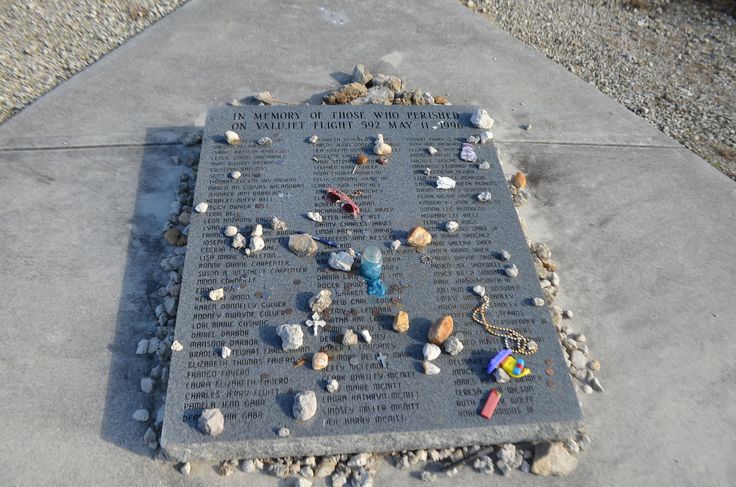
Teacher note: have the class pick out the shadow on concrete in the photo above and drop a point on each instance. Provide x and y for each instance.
(158, 180)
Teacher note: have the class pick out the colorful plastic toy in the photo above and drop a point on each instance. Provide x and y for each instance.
(515, 367)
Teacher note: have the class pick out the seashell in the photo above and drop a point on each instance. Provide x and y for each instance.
(201, 207)
(314, 216)
(278, 224)
(235, 174)
(232, 137)
(432, 151)
(484, 196)
(443, 182)
(380, 147)
(265, 142)
(264, 97)
(225, 352)
(313, 139)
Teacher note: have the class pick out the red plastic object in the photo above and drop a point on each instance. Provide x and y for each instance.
(493, 397)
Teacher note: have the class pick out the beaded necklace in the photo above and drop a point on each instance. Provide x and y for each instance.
(522, 344)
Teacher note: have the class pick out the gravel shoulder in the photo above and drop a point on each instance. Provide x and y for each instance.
(45, 42)
(671, 62)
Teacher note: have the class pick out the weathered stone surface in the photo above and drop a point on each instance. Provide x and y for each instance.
(211, 422)
(553, 459)
(275, 286)
(292, 336)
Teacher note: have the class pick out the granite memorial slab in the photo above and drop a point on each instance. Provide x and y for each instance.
(385, 401)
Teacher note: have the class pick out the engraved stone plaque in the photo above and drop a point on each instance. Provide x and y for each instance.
(385, 401)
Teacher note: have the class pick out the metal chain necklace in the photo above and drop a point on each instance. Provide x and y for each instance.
(522, 344)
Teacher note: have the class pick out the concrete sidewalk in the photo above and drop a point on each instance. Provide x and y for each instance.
(643, 230)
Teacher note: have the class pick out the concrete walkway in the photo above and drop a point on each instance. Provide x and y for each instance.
(644, 232)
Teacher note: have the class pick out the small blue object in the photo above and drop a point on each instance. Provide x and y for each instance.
(496, 361)
(371, 265)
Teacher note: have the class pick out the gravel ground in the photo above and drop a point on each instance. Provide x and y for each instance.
(671, 62)
(44, 42)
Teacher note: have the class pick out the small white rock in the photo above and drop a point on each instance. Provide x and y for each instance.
(256, 244)
(332, 386)
(141, 415)
(232, 137)
(432, 151)
(431, 351)
(265, 142)
(217, 294)
(567, 314)
(142, 348)
(366, 336)
(231, 231)
(444, 182)
(147, 385)
(484, 196)
(278, 224)
(486, 136)
(238, 241)
(201, 207)
(341, 261)
(313, 139)
(257, 231)
(484, 165)
(235, 174)
(538, 302)
(505, 255)
(177, 346)
(283, 432)
(512, 270)
(481, 119)
(453, 345)
(225, 352)
(473, 139)
(452, 226)
(395, 244)
(587, 389)
(427, 171)
(430, 368)
(479, 290)
(314, 216)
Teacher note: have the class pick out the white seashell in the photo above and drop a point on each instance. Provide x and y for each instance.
(313, 139)
(314, 216)
(235, 174)
(432, 151)
(538, 302)
(201, 207)
(265, 142)
(452, 226)
(232, 137)
(443, 182)
(278, 224)
(481, 119)
(177, 346)
(380, 147)
(484, 196)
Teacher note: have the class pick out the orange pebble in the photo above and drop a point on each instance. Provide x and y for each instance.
(519, 180)
(361, 159)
